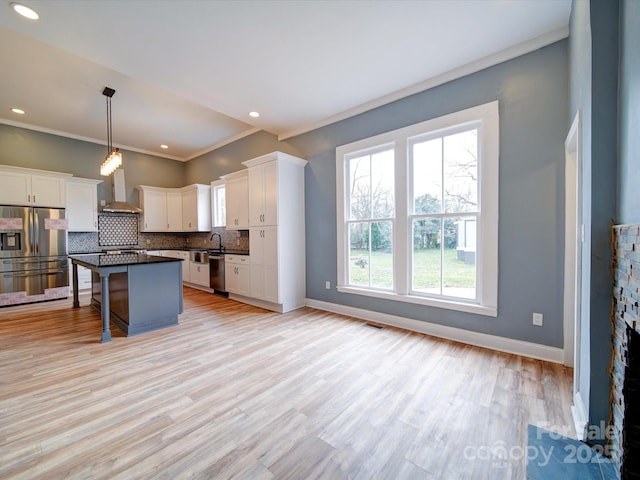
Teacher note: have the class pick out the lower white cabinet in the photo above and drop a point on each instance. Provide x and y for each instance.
(186, 264)
(84, 278)
(199, 274)
(264, 264)
(237, 274)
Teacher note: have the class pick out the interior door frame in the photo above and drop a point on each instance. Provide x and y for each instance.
(573, 240)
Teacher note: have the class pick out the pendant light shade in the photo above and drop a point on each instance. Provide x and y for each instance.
(113, 159)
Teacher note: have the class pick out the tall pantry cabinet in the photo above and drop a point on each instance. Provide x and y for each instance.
(277, 231)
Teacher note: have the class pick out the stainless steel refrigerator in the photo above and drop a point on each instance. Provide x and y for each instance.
(33, 248)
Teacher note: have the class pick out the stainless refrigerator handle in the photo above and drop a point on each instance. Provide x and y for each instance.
(22, 260)
(36, 229)
(33, 274)
(31, 234)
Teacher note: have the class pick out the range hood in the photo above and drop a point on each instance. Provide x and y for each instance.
(119, 204)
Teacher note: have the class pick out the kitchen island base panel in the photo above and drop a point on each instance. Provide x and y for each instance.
(143, 299)
(145, 295)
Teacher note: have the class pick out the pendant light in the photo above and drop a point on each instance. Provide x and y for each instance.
(114, 158)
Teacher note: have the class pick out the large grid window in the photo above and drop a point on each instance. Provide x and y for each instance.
(418, 213)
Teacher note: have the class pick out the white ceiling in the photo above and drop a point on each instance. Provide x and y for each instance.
(186, 73)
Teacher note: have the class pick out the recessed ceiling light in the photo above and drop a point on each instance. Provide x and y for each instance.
(18, 111)
(25, 11)
(254, 114)
(164, 146)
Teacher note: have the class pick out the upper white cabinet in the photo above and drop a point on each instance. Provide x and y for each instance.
(82, 204)
(263, 194)
(237, 200)
(153, 201)
(186, 209)
(174, 210)
(196, 208)
(38, 188)
(276, 234)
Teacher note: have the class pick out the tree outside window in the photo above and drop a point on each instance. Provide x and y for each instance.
(371, 177)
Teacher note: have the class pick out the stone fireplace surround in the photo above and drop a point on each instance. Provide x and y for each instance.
(624, 418)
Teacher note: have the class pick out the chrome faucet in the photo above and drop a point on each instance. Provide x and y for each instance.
(220, 246)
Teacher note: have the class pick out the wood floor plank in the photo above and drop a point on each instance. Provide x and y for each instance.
(235, 391)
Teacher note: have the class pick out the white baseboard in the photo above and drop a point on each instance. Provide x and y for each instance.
(493, 342)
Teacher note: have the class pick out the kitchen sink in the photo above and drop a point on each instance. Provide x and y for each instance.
(199, 256)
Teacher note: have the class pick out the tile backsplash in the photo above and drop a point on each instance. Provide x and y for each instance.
(117, 230)
(121, 231)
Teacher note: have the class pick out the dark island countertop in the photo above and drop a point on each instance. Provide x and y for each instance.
(118, 259)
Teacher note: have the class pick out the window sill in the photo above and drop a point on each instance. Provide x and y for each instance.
(432, 302)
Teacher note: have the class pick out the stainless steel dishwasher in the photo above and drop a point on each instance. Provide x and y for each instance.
(216, 272)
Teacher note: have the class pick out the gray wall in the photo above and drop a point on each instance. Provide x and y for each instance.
(532, 91)
(31, 149)
(212, 165)
(629, 171)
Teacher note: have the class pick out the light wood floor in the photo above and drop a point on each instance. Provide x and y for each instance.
(238, 392)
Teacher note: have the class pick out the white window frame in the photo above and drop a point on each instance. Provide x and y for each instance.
(486, 302)
(216, 186)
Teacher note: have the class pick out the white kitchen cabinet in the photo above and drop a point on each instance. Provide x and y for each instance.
(264, 263)
(277, 233)
(186, 264)
(237, 274)
(84, 278)
(186, 209)
(237, 200)
(263, 194)
(196, 208)
(38, 188)
(199, 274)
(82, 204)
(174, 210)
(153, 201)
(161, 209)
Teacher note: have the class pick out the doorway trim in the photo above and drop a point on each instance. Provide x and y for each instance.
(573, 240)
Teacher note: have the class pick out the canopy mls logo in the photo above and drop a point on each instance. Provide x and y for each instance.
(501, 456)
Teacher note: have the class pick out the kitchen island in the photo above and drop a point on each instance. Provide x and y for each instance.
(137, 292)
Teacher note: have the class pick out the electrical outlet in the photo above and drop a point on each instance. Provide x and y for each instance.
(103, 203)
(537, 319)
(327, 285)
(148, 241)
